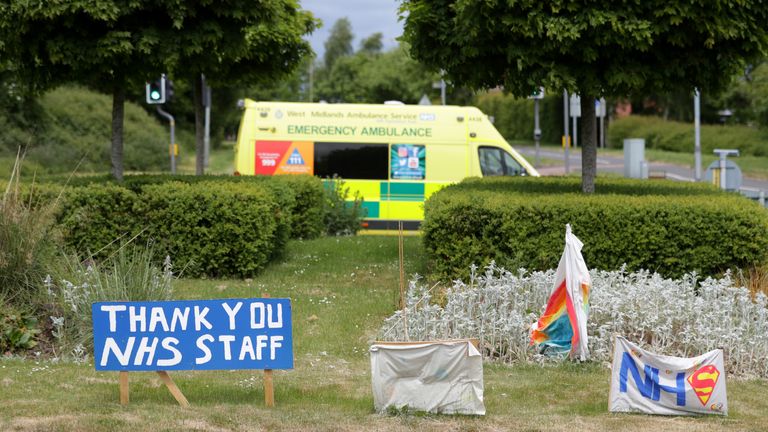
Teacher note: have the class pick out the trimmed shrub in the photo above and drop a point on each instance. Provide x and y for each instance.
(206, 220)
(671, 228)
(96, 219)
(678, 137)
(301, 195)
(214, 228)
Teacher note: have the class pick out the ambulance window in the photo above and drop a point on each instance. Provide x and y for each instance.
(495, 162)
(352, 161)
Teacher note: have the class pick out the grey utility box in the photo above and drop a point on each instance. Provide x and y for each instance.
(635, 165)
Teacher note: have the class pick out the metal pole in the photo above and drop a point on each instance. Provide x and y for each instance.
(170, 119)
(697, 134)
(207, 123)
(536, 129)
(566, 137)
(442, 91)
(604, 112)
(722, 171)
(207, 132)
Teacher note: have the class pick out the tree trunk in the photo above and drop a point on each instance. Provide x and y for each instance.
(118, 105)
(588, 144)
(199, 126)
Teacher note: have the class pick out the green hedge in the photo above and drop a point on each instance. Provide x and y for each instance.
(215, 229)
(301, 196)
(671, 228)
(679, 137)
(224, 226)
(513, 117)
(97, 219)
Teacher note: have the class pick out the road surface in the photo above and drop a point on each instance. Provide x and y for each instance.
(611, 164)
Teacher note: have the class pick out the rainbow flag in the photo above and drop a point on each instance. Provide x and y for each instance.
(562, 328)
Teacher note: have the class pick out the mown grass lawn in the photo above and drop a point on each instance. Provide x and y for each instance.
(341, 290)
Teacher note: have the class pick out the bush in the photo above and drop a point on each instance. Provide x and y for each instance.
(301, 195)
(27, 240)
(18, 330)
(220, 229)
(97, 219)
(679, 137)
(341, 216)
(513, 117)
(207, 220)
(683, 317)
(671, 228)
(73, 125)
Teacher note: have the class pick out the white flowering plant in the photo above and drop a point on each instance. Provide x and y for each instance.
(129, 275)
(680, 317)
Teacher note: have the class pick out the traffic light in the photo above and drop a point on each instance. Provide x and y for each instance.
(168, 90)
(156, 93)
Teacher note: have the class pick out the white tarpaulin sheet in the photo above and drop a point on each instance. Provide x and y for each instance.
(436, 377)
(655, 384)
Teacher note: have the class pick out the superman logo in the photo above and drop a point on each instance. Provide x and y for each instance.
(703, 382)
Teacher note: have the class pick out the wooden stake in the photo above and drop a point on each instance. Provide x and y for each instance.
(401, 251)
(123, 388)
(177, 394)
(269, 389)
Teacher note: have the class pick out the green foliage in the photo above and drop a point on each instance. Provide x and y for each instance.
(98, 218)
(679, 137)
(72, 131)
(307, 208)
(590, 48)
(371, 77)
(215, 225)
(670, 228)
(18, 330)
(301, 197)
(341, 217)
(513, 117)
(609, 48)
(219, 229)
(339, 43)
(748, 97)
(27, 241)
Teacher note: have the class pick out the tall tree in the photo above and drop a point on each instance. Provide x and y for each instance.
(111, 44)
(235, 42)
(372, 44)
(371, 77)
(104, 44)
(593, 48)
(339, 43)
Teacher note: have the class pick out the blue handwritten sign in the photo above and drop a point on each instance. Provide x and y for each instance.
(193, 335)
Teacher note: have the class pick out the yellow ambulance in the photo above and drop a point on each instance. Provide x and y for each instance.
(395, 156)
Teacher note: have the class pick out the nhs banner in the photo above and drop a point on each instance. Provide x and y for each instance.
(193, 335)
(655, 384)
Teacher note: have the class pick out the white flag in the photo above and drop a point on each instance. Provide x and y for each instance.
(656, 384)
